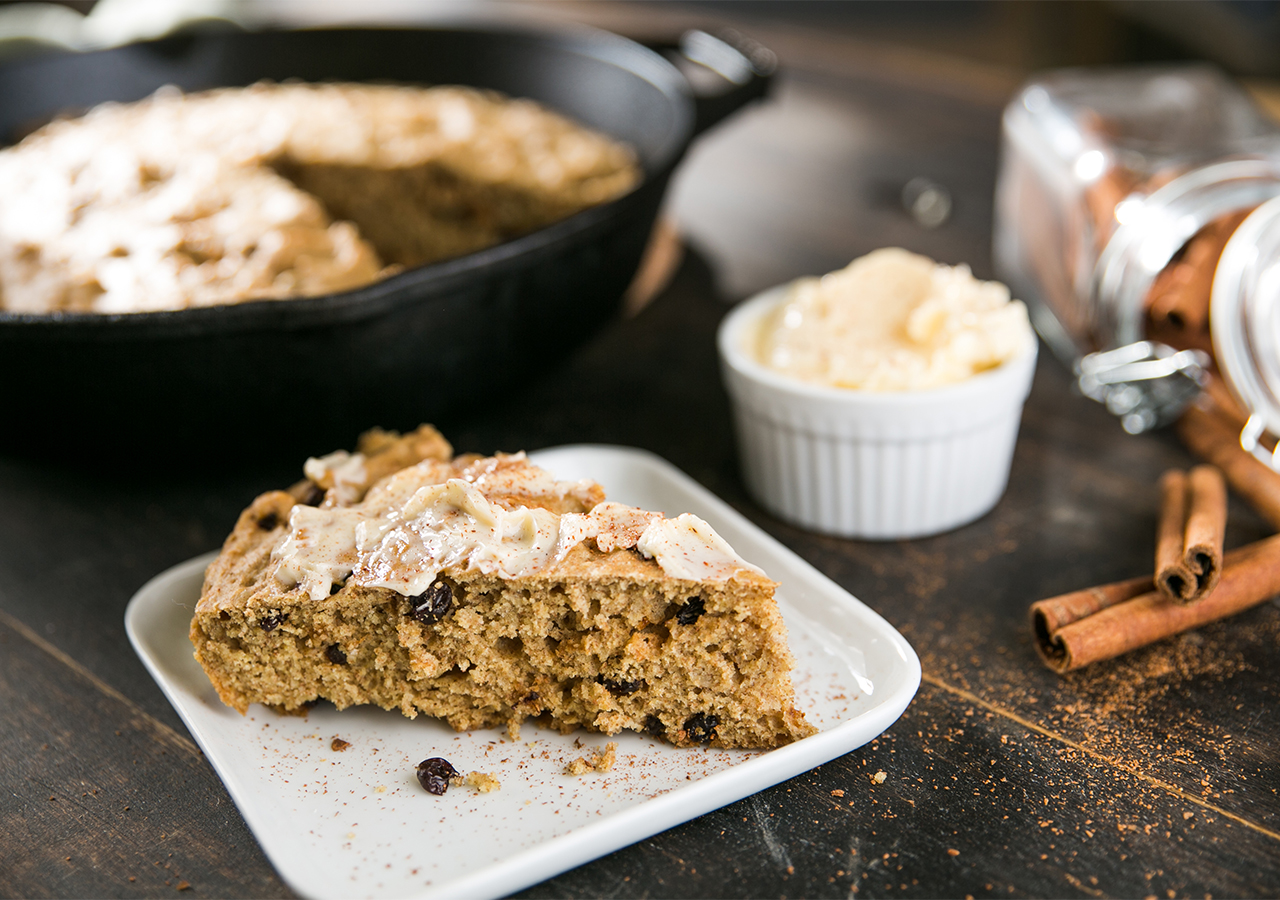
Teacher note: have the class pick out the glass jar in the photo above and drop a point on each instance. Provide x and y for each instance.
(1245, 322)
(1128, 198)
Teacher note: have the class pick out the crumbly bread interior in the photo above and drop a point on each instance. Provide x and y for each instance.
(423, 213)
(599, 640)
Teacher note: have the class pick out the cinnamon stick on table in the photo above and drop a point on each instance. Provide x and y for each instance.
(1214, 441)
(1193, 523)
(1206, 527)
(1047, 616)
(1250, 575)
(1173, 576)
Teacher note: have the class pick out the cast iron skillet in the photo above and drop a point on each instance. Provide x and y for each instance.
(304, 376)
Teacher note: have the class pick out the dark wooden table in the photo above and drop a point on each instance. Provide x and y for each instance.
(1153, 775)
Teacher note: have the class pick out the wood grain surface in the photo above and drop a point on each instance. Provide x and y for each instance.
(1151, 775)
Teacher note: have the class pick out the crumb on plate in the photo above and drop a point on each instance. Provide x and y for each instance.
(600, 761)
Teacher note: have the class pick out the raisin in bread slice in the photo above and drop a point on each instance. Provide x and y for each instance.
(483, 591)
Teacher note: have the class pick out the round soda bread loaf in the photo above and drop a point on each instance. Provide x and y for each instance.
(281, 190)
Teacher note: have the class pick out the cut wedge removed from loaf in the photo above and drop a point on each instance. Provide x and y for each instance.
(483, 591)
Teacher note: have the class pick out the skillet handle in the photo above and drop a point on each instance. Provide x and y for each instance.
(744, 66)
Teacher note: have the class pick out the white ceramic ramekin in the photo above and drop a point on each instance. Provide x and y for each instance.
(870, 465)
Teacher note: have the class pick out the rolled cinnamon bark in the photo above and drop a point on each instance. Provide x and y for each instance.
(1250, 575)
(1102, 197)
(1210, 438)
(1193, 524)
(1178, 300)
(1048, 616)
(1222, 404)
(1174, 577)
(1206, 529)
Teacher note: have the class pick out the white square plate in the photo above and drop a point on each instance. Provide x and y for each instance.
(355, 822)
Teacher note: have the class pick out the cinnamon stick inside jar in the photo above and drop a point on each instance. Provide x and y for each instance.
(1217, 399)
(1178, 301)
(1250, 575)
(1103, 196)
(1193, 523)
(1212, 439)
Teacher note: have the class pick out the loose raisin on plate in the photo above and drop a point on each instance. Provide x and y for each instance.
(433, 604)
(620, 688)
(272, 622)
(690, 611)
(335, 654)
(701, 727)
(434, 774)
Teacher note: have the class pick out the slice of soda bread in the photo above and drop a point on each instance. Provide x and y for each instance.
(483, 591)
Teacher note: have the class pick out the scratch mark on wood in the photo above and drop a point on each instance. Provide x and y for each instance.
(1093, 754)
(777, 852)
(163, 731)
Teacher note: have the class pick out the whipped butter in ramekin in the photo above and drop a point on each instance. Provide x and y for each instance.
(882, 400)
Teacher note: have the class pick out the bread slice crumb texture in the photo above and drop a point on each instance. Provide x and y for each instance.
(602, 625)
